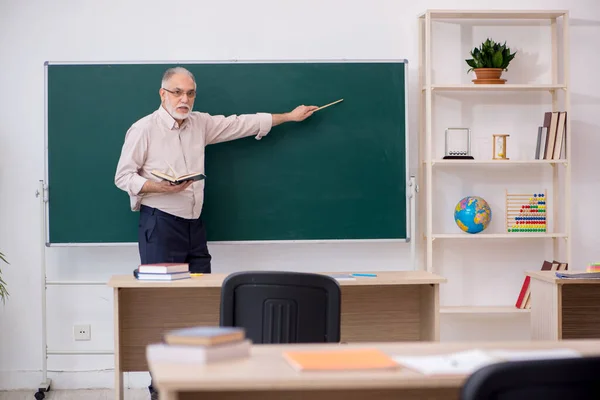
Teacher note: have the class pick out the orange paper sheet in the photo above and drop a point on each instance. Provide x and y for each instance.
(340, 360)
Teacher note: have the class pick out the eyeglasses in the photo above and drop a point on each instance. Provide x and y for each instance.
(178, 93)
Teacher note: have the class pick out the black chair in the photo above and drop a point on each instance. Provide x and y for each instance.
(282, 307)
(555, 379)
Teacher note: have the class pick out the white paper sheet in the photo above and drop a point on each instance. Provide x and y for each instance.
(467, 362)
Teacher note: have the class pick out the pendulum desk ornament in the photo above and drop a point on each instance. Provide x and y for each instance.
(500, 147)
(458, 144)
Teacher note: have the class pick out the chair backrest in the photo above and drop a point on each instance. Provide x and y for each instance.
(282, 307)
(555, 379)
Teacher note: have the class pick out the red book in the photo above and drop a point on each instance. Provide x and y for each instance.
(524, 294)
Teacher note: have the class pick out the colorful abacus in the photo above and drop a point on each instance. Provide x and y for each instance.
(526, 212)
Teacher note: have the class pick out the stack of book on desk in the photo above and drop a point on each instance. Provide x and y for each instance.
(200, 345)
(162, 272)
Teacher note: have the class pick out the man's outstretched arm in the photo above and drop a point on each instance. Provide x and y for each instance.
(221, 129)
(298, 114)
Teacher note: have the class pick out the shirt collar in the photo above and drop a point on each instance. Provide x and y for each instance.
(169, 121)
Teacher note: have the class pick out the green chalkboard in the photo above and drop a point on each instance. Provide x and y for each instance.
(341, 174)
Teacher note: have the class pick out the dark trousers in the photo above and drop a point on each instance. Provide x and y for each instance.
(163, 237)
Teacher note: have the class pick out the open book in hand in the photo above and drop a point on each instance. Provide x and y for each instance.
(179, 179)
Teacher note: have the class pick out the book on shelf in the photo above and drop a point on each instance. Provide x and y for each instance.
(541, 140)
(552, 136)
(524, 297)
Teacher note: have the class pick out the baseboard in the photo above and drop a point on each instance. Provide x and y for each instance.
(104, 379)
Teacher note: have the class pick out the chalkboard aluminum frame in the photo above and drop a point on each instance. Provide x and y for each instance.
(411, 189)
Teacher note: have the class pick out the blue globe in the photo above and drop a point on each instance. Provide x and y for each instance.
(472, 214)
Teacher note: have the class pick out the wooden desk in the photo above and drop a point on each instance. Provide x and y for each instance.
(265, 375)
(394, 306)
(564, 308)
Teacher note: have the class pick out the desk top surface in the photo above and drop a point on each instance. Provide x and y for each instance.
(550, 276)
(216, 280)
(266, 368)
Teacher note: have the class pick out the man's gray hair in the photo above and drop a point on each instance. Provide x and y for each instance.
(176, 70)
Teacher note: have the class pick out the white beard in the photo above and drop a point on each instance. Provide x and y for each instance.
(173, 110)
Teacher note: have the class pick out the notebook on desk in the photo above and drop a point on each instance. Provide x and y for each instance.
(160, 277)
(342, 277)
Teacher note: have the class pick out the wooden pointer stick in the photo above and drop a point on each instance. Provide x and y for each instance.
(327, 105)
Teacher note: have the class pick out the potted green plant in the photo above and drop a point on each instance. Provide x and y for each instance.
(489, 60)
(3, 291)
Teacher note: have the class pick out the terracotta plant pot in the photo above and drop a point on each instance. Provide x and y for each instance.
(488, 75)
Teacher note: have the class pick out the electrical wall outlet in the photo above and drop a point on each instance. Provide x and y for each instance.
(82, 332)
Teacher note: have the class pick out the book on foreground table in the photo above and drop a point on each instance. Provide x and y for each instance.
(204, 335)
(198, 354)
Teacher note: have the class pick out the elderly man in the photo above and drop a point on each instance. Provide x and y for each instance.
(172, 140)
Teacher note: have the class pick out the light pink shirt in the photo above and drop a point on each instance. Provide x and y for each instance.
(157, 140)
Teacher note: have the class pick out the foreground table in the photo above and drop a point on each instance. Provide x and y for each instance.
(394, 306)
(564, 308)
(266, 375)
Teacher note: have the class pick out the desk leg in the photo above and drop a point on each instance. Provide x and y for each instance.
(430, 312)
(545, 311)
(119, 395)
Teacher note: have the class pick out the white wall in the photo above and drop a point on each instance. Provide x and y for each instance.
(35, 31)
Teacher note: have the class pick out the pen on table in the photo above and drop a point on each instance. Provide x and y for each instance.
(370, 275)
(196, 274)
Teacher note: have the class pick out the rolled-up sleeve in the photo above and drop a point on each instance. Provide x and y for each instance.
(221, 129)
(133, 155)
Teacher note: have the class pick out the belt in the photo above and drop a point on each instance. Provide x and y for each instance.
(155, 211)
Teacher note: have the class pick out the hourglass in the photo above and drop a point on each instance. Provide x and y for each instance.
(500, 147)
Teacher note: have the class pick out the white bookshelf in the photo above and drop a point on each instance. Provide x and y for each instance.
(493, 14)
(442, 162)
(507, 87)
(430, 162)
(483, 310)
(484, 236)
